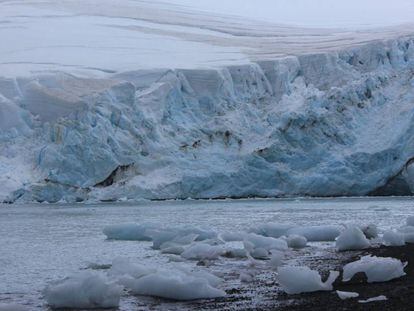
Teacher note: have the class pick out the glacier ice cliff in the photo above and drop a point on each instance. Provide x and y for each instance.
(333, 123)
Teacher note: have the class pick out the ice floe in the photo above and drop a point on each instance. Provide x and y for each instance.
(162, 237)
(296, 241)
(276, 259)
(202, 251)
(123, 267)
(377, 269)
(352, 238)
(316, 233)
(132, 232)
(260, 247)
(235, 253)
(311, 233)
(408, 233)
(373, 299)
(175, 285)
(274, 230)
(253, 241)
(84, 290)
(232, 236)
(370, 231)
(346, 295)
(296, 280)
(246, 277)
(393, 238)
(410, 221)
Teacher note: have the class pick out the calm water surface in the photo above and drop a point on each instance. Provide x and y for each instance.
(41, 243)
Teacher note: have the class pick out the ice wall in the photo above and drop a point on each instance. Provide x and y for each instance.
(324, 124)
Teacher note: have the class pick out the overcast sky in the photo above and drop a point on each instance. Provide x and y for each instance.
(322, 13)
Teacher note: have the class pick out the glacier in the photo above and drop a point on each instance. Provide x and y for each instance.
(331, 117)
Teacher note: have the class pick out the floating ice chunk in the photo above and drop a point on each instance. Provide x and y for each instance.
(246, 277)
(273, 230)
(177, 286)
(180, 235)
(232, 236)
(173, 250)
(215, 241)
(235, 253)
(296, 241)
(296, 280)
(370, 231)
(253, 241)
(311, 233)
(392, 238)
(12, 307)
(159, 237)
(410, 221)
(200, 251)
(175, 258)
(316, 233)
(85, 290)
(202, 234)
(180, 284)
(128, 232)
(180, 240)
(408, 233)
(352, 238)
(406, 229)
(409, 237)
(377, 269)
(346, 295)
(175, 246)
(212, 279)
(378, 298)
(259, 253)
(276, 260)
(123, 267)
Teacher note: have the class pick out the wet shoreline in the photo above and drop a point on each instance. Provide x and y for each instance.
(399, 291)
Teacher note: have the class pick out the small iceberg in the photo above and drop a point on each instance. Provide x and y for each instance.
(352, 238)
(378, 298)
(83, 290)
(296, 280)
(176, 285)
(377, 269)
(346, 295)
(393, 238)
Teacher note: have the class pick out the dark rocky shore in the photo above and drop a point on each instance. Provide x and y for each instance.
(264, 292)
(400, 292)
